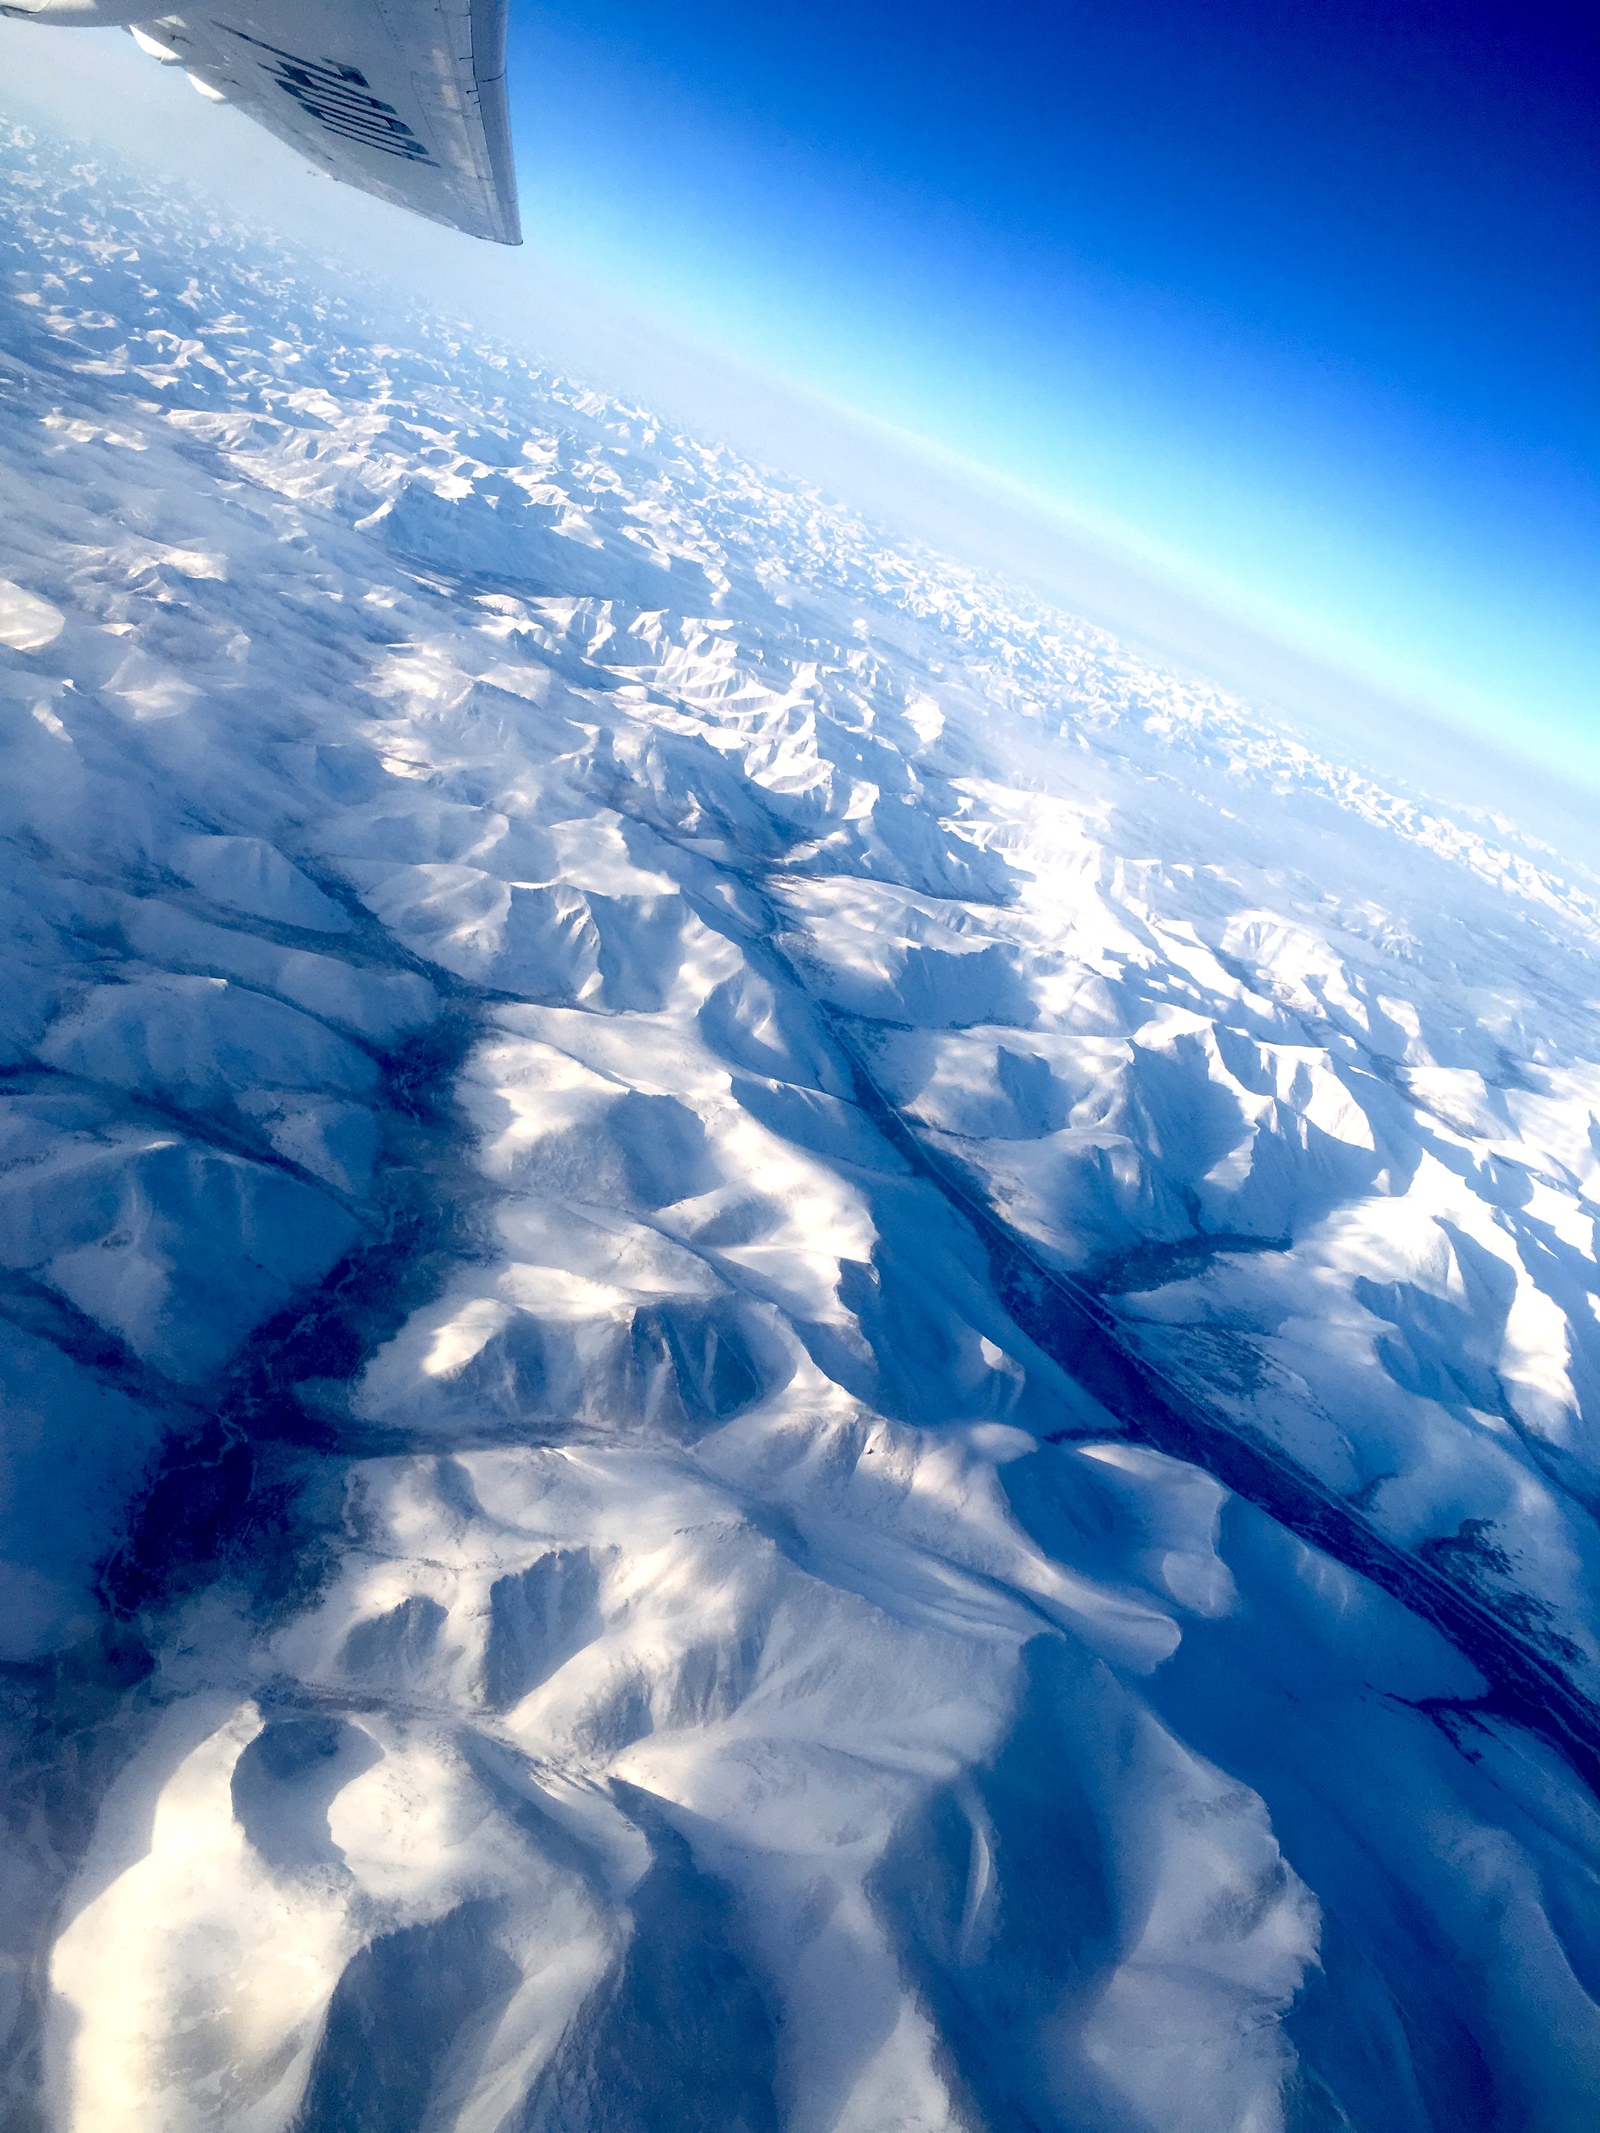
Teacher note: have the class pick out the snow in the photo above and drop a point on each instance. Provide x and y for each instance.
(550, 1580)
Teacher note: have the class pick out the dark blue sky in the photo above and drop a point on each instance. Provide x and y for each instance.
(1300, 301)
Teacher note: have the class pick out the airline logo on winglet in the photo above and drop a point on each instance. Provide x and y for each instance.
(341, 99)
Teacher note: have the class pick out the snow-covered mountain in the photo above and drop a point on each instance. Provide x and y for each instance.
(781, 1349)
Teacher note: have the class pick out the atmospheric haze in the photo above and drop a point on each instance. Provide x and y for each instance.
(787, 1345)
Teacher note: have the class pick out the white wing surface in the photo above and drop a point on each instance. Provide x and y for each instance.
(404, 98)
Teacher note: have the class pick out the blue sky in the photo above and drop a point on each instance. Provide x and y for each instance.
(1299, 302)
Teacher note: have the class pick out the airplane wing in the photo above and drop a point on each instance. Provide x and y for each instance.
(404, 98)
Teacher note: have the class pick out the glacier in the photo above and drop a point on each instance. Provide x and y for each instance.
(783, 1346)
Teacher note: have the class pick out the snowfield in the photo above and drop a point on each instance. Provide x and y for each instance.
(650, 1140)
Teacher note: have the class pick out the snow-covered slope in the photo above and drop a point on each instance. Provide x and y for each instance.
(639, 1121)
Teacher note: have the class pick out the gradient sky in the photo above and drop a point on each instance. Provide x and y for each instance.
(1301, 302)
